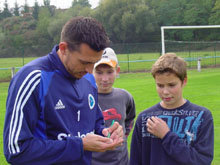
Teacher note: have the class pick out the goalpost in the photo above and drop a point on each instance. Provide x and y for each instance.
(182, 27)
(163, 28)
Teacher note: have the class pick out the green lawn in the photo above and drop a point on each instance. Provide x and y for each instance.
(3, 96)
(7, 63)
(137, 61)
(203, 88)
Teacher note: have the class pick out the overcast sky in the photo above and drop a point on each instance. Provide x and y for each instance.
(57, 3)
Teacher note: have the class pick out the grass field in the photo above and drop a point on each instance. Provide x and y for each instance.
(128, 62)
(7, 63)
(203, 88)
(3, 96)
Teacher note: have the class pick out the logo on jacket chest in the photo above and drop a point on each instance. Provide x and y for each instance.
(59, 105)
(91, 101)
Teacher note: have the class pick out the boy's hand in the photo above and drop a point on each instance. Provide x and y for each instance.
(157, 127)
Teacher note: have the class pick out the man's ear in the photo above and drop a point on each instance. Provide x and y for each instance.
(63, 47)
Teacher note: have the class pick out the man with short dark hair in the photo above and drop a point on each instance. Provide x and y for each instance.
(52, 114)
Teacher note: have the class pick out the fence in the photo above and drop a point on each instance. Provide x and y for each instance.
(140, 56)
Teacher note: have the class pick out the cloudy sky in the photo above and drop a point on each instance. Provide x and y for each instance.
(57, 3)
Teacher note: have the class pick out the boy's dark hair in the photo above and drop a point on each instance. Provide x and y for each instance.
(171, 63)
(86, 30)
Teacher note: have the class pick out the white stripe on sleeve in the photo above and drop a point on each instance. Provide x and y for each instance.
(15, 122)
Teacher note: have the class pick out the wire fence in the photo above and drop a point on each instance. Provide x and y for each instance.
(140, 56)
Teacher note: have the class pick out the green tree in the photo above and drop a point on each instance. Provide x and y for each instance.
(55, 26)
(127, 21)
(47, 4)
(16, 9)
(169, 12)
(6, 13)
(26, 7)
(43, 22)
(197, 12)
(17, 38)
(57, 22)
(2, 37)
(215, 14)
(1, 15)
(35, 10)
(184, 12)
(214, 20)
(83, 3)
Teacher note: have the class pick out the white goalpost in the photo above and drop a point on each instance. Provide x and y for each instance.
(163, 28)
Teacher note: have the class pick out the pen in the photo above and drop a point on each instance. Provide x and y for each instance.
(113, 121)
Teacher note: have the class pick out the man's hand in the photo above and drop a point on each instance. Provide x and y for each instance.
(92, 142)
(115, 131)
(157, 127)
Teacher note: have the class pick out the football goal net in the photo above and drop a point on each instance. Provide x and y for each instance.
(196, 53)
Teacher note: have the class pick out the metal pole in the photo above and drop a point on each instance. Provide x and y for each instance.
(12, 72)
(199, 65)
(162, 40)
(128, 62)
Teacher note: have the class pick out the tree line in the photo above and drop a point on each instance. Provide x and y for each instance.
(32, 31)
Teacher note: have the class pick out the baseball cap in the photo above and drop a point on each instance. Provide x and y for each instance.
(108, 57)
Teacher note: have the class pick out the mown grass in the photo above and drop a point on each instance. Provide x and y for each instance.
(3, 96)
(144, 61)
(203, 88)
(131, 62)
(7, 63)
